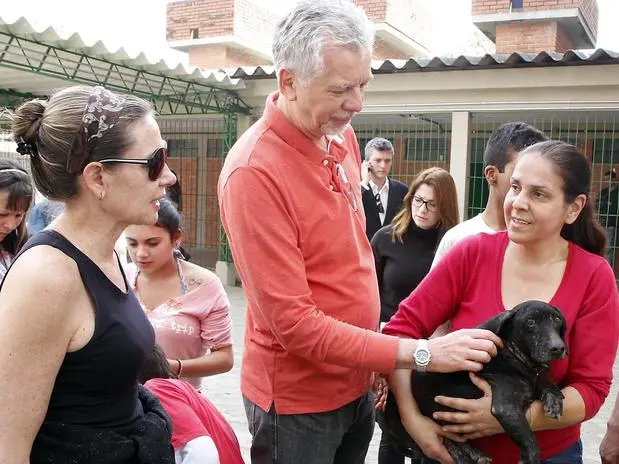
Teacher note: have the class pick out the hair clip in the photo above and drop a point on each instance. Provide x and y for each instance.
(26, 148)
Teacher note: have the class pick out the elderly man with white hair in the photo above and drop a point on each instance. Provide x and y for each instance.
(290, 201)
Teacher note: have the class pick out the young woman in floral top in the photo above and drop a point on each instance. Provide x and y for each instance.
(15, 200)
(186, 303)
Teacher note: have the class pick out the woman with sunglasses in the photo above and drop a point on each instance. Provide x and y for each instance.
(15, 201)
(186, 303)
(404, 251)
(74, 335)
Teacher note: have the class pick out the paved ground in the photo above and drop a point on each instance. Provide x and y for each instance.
(223, 390)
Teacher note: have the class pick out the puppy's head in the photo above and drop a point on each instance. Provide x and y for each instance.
(535, 327)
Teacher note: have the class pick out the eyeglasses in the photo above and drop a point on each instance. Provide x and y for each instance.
(430, 205)
(155, 162)
(379, 204)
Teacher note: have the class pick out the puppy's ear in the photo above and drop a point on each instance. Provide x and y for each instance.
(498, 323)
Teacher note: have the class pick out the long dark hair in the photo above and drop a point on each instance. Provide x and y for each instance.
(16, 181)
(574, 169)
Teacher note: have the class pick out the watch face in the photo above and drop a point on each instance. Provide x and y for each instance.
(422, 356)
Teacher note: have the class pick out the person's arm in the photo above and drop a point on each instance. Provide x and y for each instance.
(37, 323)
(216, 333)
(609, 448)
(593, 347)
(426, 433)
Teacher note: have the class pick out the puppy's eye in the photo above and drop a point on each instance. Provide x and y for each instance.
(558, 321)
(530, 322)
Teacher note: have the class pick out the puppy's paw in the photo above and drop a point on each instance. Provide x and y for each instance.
(553, 403)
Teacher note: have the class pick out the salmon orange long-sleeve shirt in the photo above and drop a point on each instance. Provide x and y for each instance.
(296, 229)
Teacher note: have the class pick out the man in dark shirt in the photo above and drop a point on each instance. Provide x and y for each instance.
(382, 196)
(608, 209)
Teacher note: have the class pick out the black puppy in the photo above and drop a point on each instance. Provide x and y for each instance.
(533, 335)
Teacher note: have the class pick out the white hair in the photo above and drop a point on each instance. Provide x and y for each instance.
(301, 36)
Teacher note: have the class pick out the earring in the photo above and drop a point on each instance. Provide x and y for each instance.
(101, 196)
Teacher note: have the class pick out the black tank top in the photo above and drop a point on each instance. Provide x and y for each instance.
(97, 385)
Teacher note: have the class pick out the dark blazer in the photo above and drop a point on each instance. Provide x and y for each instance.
(397, 191)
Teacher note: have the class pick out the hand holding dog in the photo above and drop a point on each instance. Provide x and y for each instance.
(465, 349)
(381, 390)
(429, 436)
(475, 419)
(609, 449)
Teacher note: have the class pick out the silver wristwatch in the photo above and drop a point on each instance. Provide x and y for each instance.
(422, 355)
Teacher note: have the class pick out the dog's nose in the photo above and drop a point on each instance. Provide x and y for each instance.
(558, 351)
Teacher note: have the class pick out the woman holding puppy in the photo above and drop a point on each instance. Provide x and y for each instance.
(552, 251)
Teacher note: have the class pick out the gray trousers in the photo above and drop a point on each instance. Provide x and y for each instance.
(341, 436)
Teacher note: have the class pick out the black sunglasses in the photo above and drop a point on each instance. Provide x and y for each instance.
(155, 162)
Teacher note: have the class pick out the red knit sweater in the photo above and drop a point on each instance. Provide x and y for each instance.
(465, 287)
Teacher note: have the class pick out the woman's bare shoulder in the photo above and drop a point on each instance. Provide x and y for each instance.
(196, 276)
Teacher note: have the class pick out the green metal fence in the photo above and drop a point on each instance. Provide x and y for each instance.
(424, 140)
(199, 144)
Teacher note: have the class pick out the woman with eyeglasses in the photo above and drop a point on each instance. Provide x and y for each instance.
(74, 336)
(186, 303)
(404, 251)
(15, 201)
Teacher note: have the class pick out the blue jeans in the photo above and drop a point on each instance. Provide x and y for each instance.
(572, 455)
(341, 436)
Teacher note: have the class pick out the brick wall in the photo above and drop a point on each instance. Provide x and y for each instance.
(375, 9)
(588, 8)
(531, 37)
(212, 18)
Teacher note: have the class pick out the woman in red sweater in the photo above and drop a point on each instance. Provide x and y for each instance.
(552, 251)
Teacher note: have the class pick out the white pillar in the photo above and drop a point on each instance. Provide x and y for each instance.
(460, 160)
(227, 271)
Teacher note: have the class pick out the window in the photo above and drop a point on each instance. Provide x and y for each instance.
(478, 148)
(214, 148)
(606, 151)
(194, 33)
(183, 148)
(517, 4)
(427, 149)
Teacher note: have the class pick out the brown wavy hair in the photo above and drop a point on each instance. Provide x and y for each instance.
(446, 199)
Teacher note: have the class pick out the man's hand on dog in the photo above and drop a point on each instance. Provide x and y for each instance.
(463, 350)
(475, 419)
